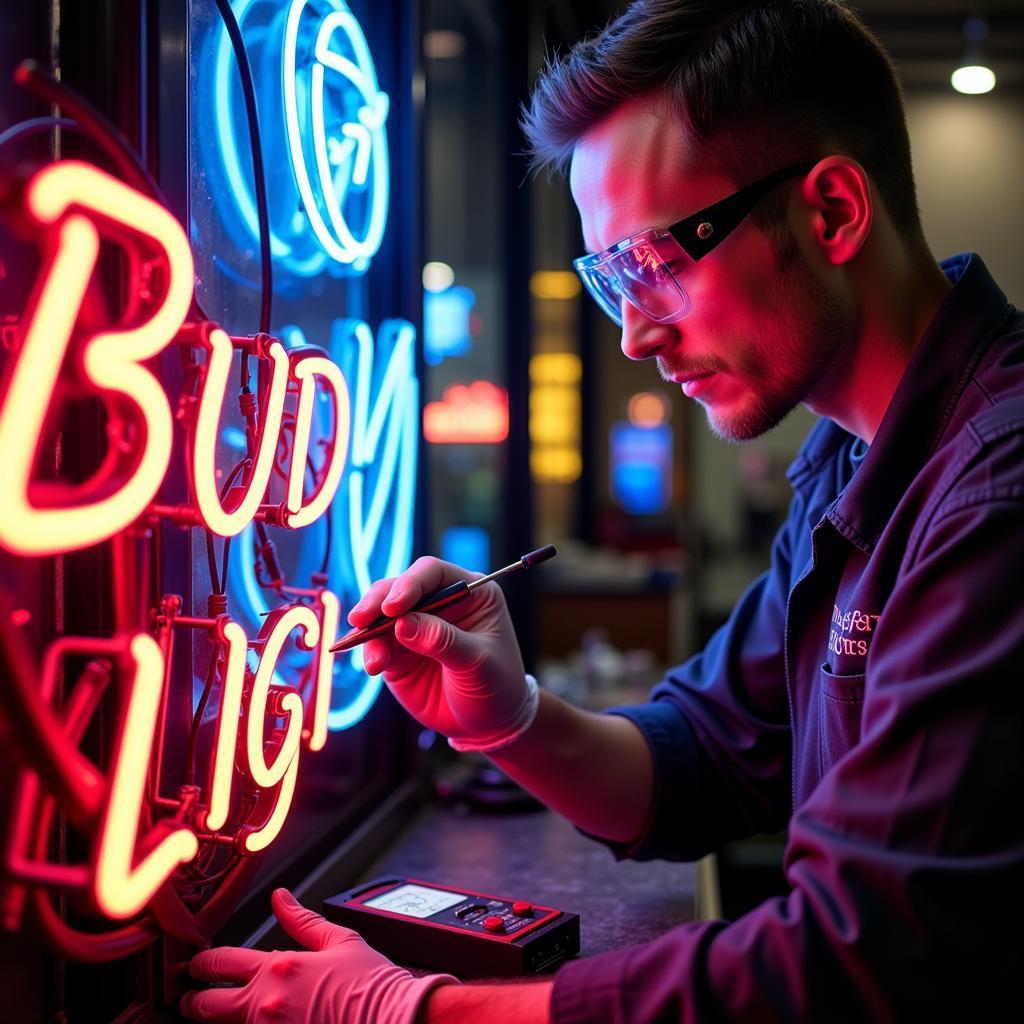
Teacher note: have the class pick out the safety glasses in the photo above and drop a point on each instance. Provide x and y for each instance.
(642, 269)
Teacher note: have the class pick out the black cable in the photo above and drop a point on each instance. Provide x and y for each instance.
(219, 584)
(259, 181)
(327, 521)
(87, 119)
(211, 564)
(37, 125)
(226, 869)
(90, 120)
(193, 733)
(260, 187)
(224, 565)
(327, 543)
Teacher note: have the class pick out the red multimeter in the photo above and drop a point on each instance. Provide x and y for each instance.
(456, 930)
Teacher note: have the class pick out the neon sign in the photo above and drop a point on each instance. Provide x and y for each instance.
(447, 323)
(476, 413)
(320, 103)
(373, 508)
(641, 467)
(365, 481)
(43, 519)
(555, 430)
(120, 888)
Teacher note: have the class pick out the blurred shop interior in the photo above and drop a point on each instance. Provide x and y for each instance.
(660, 526)
(512, 421)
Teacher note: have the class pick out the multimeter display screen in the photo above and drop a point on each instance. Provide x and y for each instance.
(415, 901)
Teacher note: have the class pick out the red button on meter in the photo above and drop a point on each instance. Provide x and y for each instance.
(522, 909)
(494, 923)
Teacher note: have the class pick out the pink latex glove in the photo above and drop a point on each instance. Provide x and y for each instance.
(340, 981)
(458, 672)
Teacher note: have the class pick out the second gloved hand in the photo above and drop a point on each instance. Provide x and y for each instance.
(459, 672)
(340, 980)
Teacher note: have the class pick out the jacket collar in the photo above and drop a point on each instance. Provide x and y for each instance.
(921, 408)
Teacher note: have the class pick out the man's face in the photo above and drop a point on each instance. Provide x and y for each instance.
(762, 329)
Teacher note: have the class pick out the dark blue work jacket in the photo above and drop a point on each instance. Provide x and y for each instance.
(868, 690)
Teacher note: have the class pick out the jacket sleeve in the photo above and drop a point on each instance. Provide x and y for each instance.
(718, 728)
(907, 862)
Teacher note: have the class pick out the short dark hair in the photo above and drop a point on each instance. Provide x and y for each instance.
(757, 85)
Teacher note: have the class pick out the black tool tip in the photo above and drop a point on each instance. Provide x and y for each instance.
(538, 556)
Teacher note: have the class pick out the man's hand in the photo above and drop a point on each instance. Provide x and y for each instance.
(461, 674)
(341, 980)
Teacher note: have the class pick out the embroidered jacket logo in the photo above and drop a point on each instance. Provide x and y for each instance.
(851, 631)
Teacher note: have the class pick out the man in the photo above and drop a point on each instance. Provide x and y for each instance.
(743, 176)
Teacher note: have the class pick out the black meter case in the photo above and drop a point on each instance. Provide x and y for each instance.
(466, 933)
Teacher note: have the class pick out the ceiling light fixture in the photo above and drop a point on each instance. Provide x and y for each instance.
(974, 76)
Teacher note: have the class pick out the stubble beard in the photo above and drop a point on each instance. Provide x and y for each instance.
(814, 325)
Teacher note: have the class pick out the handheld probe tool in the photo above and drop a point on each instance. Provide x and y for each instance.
(440, 599)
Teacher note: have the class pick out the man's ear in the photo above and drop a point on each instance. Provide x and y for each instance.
(839, 193)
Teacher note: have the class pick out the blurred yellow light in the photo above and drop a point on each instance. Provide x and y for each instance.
(563, 402)
(554, 284)
(648, 409)
(556, 368)
(973, 80)
(555, 417)
(556, 465)
(548, 429)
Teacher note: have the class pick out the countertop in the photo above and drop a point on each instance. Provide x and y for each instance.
(538, 856)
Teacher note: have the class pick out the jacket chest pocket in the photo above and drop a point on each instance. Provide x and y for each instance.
(840, 705)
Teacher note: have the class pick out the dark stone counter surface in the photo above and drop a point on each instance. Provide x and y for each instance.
(538, 856)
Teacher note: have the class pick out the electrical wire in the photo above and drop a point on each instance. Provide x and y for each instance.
(232, 476)
(327, 519)
(329, 527)
(194, 886)
(197, 718)
(219, 586)
(260, 187)
(211, 564)
(224, 565)
(218, 583)
(88, 119)
(259, 179)
(36, 126)
(95, 124)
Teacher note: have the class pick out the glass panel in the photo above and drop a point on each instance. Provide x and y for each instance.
(333, 124)
(466, 416)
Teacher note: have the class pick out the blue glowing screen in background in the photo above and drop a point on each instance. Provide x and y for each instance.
(468, 546)
(323, 133)
(446, 323)
(641, 467)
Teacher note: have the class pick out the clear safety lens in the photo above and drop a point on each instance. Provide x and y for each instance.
(637, 269)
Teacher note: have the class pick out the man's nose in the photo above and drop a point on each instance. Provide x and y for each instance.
(642, 338)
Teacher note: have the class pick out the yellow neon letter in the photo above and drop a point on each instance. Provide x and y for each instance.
(72, 517)
(331, 613)
(120, 889)
(222, 762)
(305, 371)
(282, 771)
(204, 453)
